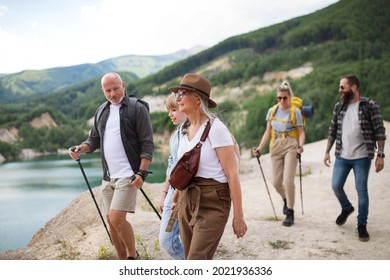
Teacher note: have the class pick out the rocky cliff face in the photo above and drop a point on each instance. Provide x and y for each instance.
(8, 135)
(11, 135)
(44, 120)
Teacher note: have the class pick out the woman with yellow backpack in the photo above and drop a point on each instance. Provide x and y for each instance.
(285, 128)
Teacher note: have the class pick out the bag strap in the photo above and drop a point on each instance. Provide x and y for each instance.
(205, 132)
(131, 108)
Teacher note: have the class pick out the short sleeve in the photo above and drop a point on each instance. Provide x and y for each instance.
(298, 117)
(219, 135)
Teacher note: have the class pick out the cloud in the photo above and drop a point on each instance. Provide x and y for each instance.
(111, 28)
(89, 11)
(3, 10)
(151, 26)
(20, 51)
(34, 24)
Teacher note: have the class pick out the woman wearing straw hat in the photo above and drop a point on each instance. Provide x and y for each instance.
(204, 206)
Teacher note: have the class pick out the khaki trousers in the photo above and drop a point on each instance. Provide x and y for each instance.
(204, 208)
(284, 164)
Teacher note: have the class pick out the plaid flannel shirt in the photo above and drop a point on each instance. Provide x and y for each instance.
(371, 125)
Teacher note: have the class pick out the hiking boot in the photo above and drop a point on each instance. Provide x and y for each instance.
(363, 234)
(285, 207)
(289, 221)
(342, 218)
(134, 258)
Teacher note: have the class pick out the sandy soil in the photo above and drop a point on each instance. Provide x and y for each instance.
(77, 232)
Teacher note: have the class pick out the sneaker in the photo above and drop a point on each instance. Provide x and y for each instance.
(285, 207)
(134, 258)
(289, 221)
(363, 234)
(342, 218)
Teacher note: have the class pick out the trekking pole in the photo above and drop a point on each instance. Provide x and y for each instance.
(300, 179)
(266, 185)
(147, 198)
(93, 197)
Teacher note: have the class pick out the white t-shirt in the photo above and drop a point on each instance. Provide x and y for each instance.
(353, 146)
(114, 152)
(209, 165)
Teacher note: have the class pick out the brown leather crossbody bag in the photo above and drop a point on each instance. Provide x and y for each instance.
(187, 166)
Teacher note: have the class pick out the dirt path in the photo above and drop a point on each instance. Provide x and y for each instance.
(77, 232)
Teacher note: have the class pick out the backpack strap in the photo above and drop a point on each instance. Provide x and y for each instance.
(292, 114)
(293, 119)
(293, 133)
(99, 111)
(131, 109)
(273, 112)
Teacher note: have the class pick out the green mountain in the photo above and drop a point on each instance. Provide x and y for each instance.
(351, 36)
(41, 82)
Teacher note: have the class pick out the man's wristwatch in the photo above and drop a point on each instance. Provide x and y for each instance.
(381, 154)
(143, 173)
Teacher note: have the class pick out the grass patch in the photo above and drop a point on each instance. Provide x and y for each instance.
(147, 253)
(67, 251)
(279, 244)
(106, 254)
(306, 172)
(271, 218)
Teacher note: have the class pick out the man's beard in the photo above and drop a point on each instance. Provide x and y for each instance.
(347, 97)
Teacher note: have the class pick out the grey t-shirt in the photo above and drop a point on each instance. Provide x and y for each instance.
(283, 119)
(353, 146)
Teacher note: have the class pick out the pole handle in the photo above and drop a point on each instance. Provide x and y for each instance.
(72, 149)
(258, 155)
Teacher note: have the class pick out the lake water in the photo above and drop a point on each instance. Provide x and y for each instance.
(32, 192)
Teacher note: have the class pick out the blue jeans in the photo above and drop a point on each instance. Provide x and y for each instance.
(170, 241)
(361, 168)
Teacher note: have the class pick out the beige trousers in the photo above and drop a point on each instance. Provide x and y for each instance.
(284, 164)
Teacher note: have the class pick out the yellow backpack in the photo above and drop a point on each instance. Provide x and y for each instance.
(296, 102)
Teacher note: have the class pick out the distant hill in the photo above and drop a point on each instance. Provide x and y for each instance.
(41, 82)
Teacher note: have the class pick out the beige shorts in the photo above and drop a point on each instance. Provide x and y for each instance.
(118, 194)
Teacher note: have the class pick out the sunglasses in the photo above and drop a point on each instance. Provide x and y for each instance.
(180, 94)
(282, 97)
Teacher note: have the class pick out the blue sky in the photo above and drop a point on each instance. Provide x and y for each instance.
(43, 34)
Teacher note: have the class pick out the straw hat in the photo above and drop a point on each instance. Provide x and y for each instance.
(198, 84)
